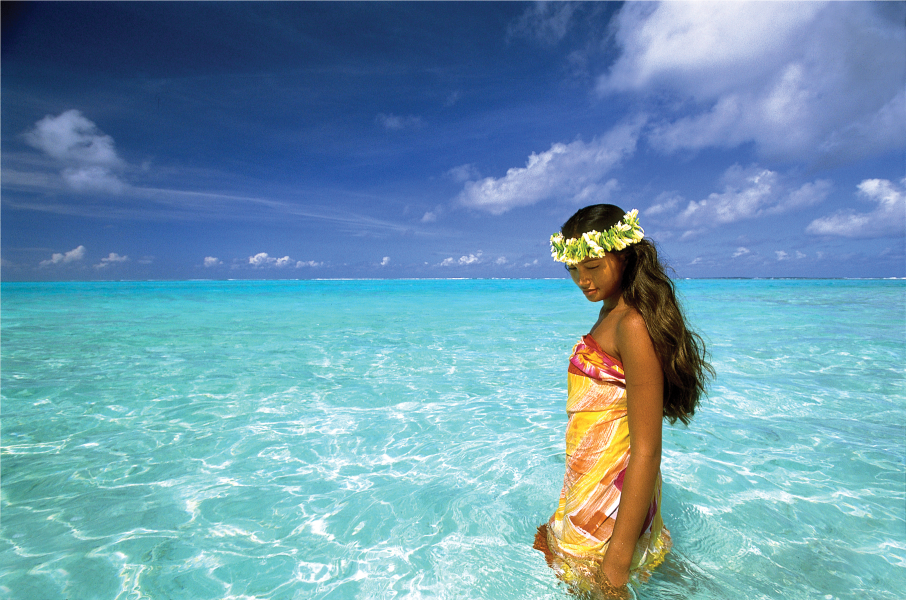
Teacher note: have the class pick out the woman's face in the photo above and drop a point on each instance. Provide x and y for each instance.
(599, 278)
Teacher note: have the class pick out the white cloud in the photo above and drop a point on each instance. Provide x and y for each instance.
(431, 216)
(799, 79)
(396, 123)
(385, 261)
(463, 173)
(566, 171)
(741, 251)
(471, 259)
(73, 255)
(87, 155)
(666, 202)
(887, 219)
(72, 138)
(111, 259)
(263, 259)
(212, 261)
(92, 179)
(781, 255)
(748, 193)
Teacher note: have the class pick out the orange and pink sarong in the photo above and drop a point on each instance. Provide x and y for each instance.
(597, 454)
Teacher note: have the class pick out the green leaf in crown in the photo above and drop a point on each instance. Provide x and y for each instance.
(596, 244)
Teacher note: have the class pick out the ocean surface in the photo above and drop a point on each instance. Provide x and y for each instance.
(404, 439)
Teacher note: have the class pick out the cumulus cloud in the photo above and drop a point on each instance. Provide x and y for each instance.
(567, 171)
(73, 255)
(748, 193)
(393, 122)
(741, 251)
(70, 137)
(471, 259)
(262, 259)
(212, 261)
(887, 219)
(87, 156)
(385, 261)
(799, 79)
(111, 259)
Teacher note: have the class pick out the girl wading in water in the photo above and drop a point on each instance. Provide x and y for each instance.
(639, 364)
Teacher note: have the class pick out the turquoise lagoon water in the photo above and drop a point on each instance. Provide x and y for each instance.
(404, 439)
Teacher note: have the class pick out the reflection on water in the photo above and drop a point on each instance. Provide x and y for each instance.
(405, 439)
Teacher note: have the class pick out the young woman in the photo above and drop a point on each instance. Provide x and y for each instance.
(639, 364)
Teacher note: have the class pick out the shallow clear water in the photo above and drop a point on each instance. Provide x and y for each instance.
(404, 439)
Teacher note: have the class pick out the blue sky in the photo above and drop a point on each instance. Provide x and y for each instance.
(324, 140)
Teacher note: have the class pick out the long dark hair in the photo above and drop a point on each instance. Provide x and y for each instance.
(648, 289)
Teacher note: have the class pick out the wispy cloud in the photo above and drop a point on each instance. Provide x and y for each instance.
(748, 193)
(887, 219)
(393, 122)
(463, 173)
(76, 254)
(572, 171)
(794, 78)
(547, 22)
(78, 157)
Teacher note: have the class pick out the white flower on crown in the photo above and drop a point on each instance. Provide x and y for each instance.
(596, 244)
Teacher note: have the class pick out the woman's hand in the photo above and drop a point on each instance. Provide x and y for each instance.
(615, 577)
(611, 583)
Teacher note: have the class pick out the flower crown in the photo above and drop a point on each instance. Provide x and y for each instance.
(596, 244)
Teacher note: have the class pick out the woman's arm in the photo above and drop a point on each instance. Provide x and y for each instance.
(645, 397)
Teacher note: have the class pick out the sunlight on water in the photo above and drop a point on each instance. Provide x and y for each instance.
(405, 439)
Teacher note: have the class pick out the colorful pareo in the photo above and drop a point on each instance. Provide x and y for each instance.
(597, 454)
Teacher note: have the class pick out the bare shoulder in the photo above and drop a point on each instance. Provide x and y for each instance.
(633, 339)
(640, 360)
(631, 326)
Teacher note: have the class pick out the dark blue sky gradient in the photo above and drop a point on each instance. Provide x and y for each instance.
(392, 139)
